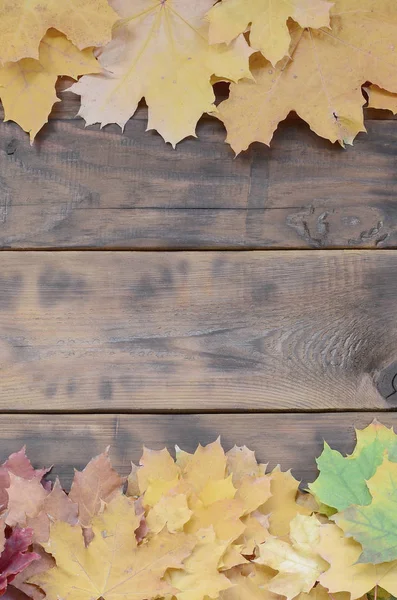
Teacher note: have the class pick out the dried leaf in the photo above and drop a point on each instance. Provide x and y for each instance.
(268, 22)
(96, 484)
(24, 23)
(298, 563)
(27, 88)
(200, 577)
(15, 556)
(322, 78)
(282, 506)
(113, 566)
(26, 497)
(378, 98)
(160, 51)
(346, 573)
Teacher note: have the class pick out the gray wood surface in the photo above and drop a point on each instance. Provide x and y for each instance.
(193, 331)
(86, 188)
(69, 441)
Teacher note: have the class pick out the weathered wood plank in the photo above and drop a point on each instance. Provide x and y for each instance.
(192, 331)
(69, 441)
(85, 188)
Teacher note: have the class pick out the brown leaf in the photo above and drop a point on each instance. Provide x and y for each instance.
(96, 484)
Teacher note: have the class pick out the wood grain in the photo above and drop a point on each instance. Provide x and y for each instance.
(69, 441)
(133, 331)
(86, 188)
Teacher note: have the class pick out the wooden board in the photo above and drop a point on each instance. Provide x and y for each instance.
(170, 331)
(69, 441)
(86, 188)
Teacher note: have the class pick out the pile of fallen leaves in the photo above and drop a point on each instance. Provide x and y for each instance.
(308, 56)
(206, 525)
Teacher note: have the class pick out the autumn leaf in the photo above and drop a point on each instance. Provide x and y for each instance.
(170, 511)
(320, 593)
(375, 526)
(27, 88)
(322, 78)
(378, 98)
(250, 583)
(24, 23)
(42, 565)
(26, 497)
(298, 563)
(156, 465)
(282, 506)
(343, 480)
(19, 464)
(113, 566)
(15, 556)
(268, 22)
(96, 484)
(160, 51)
(57, 506)
(200, 577)
(345, 572)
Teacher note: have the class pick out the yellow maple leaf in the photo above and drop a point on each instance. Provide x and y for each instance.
(250, 583)
(268, 22)
(378, 98)
(160, 51)
(282, 506)
(200, 577)
(320, 593)
(156, 465)
(321, 80)
(113, 567)
(298, 563)
(255, 533)
(24, 23)
(170, 511)
(27, 87)
(345, 573)
(224, 516)
(240, 462)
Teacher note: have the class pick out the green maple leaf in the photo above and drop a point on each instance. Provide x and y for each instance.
(375, 526)
(343, 480)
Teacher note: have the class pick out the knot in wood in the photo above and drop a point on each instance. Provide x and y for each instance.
(387, 383)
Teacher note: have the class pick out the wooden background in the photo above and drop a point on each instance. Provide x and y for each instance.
(156, 296)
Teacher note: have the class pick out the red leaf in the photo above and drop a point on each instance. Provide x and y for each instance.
(15, 556)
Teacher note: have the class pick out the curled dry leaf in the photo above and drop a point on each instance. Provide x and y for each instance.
(24, 23)
(160, 52)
